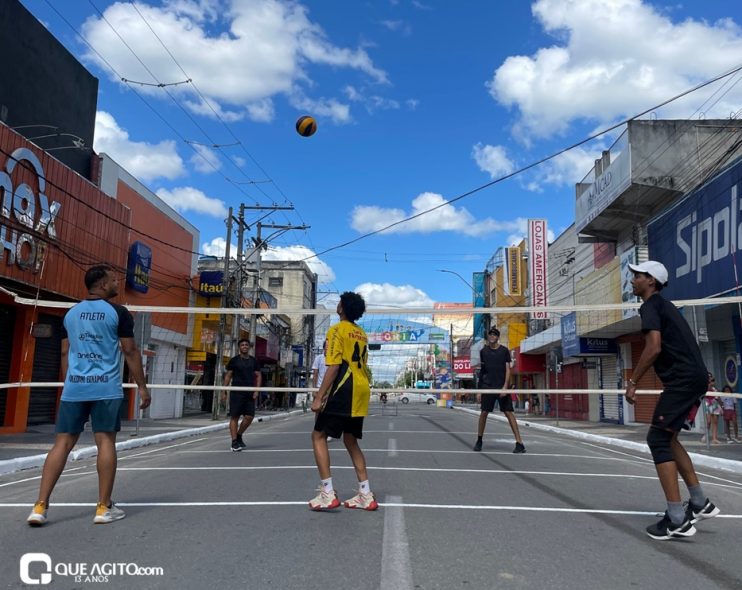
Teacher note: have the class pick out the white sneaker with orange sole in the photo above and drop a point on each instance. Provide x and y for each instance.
(324, 501)
(362, 501)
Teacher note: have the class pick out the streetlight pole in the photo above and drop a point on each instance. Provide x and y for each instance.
(453, 272)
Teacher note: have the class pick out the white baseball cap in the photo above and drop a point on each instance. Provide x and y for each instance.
(652, 268)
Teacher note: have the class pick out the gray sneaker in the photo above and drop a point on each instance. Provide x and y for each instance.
(105, 514)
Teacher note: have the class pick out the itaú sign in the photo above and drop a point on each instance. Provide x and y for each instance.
(33, 212)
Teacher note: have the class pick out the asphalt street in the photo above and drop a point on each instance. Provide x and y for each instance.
(567, 514)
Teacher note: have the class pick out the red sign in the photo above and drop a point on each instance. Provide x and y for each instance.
(462, 366)
(538, 246)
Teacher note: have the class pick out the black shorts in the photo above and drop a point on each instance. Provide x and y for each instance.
(673, 407)
(505, 402)
(241, 403)
(334, 425)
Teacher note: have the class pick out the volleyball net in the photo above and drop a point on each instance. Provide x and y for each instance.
(422, 355)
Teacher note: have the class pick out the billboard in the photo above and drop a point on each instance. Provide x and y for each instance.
(480, 324)
(606, 189)
(512, 271)
(698, 238)
(537, 265)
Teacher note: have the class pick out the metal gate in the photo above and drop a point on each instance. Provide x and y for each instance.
(42, 406)
(611, 408)
(7, 325)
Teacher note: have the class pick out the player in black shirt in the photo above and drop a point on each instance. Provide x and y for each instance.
(670, 347)
(242, 370)
(495, 374)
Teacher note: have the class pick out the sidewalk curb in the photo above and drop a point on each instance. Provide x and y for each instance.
(21, 463)
(698, 459)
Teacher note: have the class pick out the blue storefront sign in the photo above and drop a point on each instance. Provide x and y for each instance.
(211, 283)
(698, 238)
(139, 267)
(478, 300)
(574, 345)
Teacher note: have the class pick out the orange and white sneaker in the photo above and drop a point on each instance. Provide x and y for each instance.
(38, 515)
(362, 501)
(107, 514)
(324, 500)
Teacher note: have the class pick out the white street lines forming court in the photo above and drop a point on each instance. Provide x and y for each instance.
(432, 490)
(396, 570)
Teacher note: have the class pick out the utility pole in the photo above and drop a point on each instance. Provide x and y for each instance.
(237, 321)
(222, 323)
(260, 245)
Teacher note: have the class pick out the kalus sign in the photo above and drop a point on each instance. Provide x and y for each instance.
(20, 206)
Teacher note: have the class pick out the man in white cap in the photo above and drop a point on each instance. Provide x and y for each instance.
(671, 348)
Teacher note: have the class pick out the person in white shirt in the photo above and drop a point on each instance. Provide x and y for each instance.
(319, 367)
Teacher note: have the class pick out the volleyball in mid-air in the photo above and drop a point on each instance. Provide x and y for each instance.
(306, 126)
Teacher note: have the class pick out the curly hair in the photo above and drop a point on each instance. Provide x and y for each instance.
(353, 305)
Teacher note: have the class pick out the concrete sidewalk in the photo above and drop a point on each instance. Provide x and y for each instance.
(28, 449)
(727, 457)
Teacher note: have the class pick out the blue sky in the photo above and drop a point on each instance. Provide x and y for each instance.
(417, 103)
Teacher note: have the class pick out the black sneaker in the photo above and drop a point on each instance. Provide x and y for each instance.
(236, 446)
(665, 529)
(478, 445)
(241, 443)
(695, 513)
(519, 448)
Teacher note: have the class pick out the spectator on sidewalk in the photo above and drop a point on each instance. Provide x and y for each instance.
(713, 413)
(729, 406)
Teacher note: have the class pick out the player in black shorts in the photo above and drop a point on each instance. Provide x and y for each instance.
(495, 374)
(242, 370)
(669, 347)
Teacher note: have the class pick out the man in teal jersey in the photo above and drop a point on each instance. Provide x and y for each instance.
(91, 364)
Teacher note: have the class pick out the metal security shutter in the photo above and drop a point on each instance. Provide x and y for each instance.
(42, 406)
(645, 404)
(7, 324)
(610, 406)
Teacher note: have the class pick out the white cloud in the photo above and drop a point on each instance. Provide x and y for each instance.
(387, 295)
(446, 218)
(217, 247)
(145, 161)
(614, 58)
(397, 25)
(373, 102)
(187, 198)
(492, 159)
(324, 272)
(412, 103)
(322, 107)
(205, 160)
(261, 48)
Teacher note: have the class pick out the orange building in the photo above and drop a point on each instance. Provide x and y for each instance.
(54, 224)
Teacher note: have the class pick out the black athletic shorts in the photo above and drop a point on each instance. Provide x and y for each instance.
(489, 399)
(673, 407)
(334, 425)
(241, 403)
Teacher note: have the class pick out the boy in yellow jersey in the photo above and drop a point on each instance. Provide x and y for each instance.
(342, 403)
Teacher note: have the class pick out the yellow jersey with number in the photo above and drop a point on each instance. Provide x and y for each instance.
(347, 346)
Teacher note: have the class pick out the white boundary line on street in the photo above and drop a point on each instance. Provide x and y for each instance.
(698, 459)
(386, 504)
(396, 571)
